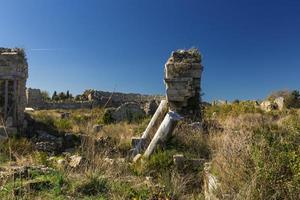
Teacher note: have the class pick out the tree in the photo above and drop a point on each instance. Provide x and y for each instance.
(62, 96)
(68, 95)
(54, 96)
(293, 100)
(45, 95)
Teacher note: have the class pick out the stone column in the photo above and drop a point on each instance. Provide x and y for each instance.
(182, 78)
(15, 103)
(5, 99)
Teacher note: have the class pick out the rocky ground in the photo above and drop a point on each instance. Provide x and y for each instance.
(247, 152)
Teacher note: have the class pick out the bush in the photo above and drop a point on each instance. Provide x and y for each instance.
(234, 109)
(107, 117)
(63, 124)
(95, 185)
(276, 155)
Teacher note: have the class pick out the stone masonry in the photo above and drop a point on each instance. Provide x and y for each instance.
(13, 76)
(182, 78)
(34, 97)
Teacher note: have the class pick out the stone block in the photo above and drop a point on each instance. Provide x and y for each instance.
(137, 140)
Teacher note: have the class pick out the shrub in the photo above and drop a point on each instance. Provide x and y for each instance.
(107, 117)
(234, 109)
(63, 124)
(95, 185)
(276, 155)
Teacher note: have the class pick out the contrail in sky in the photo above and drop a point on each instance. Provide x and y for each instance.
(43, 49)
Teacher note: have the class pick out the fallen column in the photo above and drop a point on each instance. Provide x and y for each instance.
(165, 129)
(153, 124)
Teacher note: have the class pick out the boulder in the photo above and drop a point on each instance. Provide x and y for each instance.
(268, 106)
(48, 143)
(128, 112)
(280, 102)
(150, 107)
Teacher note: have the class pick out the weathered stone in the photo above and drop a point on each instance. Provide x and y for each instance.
(164, 131)
(48, 143)
(154, 123)
(178, 160)
(75, 161)
(151, 107)
(280, 102)
(182, 78)
(136, 141)
(211, 183)
(268, 106)
(13, 76)
(34, 98)
(128, 112)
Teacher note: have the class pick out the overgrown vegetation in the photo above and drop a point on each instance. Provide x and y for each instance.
(253, 154)
(256, 156)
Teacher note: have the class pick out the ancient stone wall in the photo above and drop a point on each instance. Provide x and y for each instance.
(182, 78)
(116, 99)
(13, 76)
(34, 97)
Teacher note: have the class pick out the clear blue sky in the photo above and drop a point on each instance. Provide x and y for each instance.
(249, 48)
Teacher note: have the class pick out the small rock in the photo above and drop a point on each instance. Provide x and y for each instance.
(179, 160)
(75, 161)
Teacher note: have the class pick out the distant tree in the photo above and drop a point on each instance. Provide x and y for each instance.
(45, 95)
(62, 96)
(78, 98)
(54, 96)
(236, 101)
(68, 94)
(293, 100)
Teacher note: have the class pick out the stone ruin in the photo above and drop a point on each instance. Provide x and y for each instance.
(182, 79)
(13, 76)
(34, 97)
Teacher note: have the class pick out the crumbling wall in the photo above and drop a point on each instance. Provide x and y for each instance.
(34, 98)
(182, 78)
(13, 76)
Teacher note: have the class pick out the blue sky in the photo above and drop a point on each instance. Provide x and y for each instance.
(249, 47)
